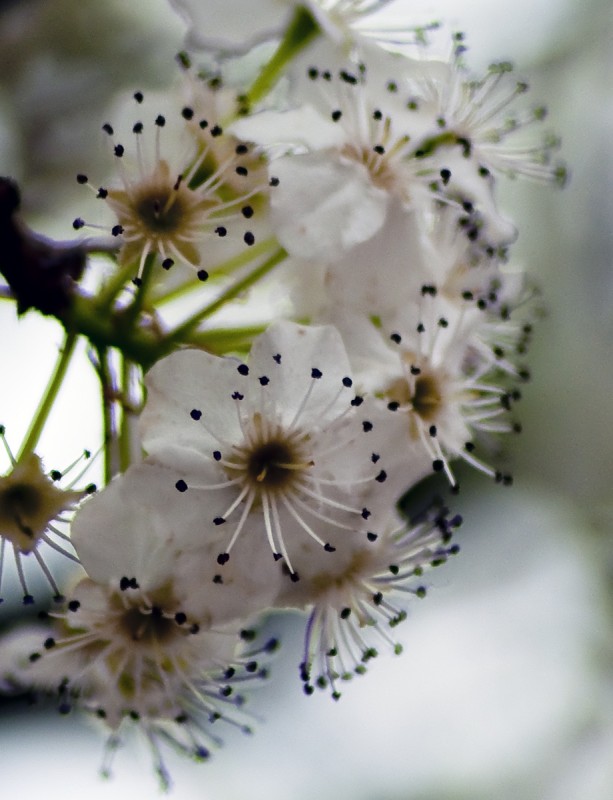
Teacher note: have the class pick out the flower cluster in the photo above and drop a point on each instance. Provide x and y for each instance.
(360, 330)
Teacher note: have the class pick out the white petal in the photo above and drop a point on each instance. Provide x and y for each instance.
(322, 206)
(186, 381)
(116, 536)
(297, 128)
(302, 349)
(232, 25)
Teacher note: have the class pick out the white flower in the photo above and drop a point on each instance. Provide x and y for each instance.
(358, 595)
(431, 367)
(140, 525)
(350, 158)
(33, 510)
(477, 126)
(481, 116)
(169, 204)
(128, 654)
(283, 439)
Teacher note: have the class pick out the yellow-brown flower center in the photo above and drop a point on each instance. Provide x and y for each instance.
(147, 626)
(379, 169)
(271, 459)
(29, 501)
(161, 210)
(272, 464)
(427, 398)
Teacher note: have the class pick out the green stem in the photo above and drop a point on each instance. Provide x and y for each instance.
(303, 28)
(104, 330)
(136, 306)
(49, 397)
(225, 268)
(127, 414)
(115, 284)
(107, 392)
(181, 332)
(226, 340)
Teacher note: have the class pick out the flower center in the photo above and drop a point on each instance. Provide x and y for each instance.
(379, 169)
(272, 464)
(160, 210)
(427, 398)
(19, 501)
(270, 460)
(147, 626)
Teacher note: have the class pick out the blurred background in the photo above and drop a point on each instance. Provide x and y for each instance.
(505, 688)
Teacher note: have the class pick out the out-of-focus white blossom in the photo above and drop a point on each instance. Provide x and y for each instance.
(234, 26)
